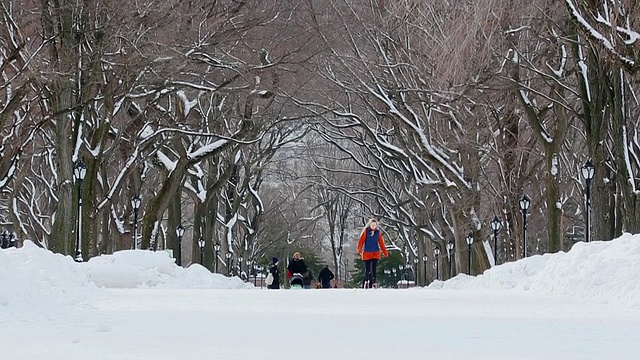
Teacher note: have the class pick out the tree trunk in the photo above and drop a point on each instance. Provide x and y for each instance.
(625, 177)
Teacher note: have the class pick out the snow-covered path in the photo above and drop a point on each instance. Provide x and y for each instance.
(325, 324)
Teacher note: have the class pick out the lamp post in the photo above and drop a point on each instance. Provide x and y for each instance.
(135, 204)
(180, 234)
(469, 239)
(240, 259)
(346, 270)
(415, 273)
(450, 255)
(12, 240)
(395, 278)
(201, 244)
(228, 255)
(436, 251)
(588, 171)
(249, 271)
(79, 172)
(425, 258)
(387, 273)
(216, 247)
(525, 202)
(496, 224)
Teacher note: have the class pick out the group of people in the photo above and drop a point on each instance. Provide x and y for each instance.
(299, 274)
(370, 248)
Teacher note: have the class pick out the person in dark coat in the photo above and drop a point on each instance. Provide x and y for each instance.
(307, 277)
(297, 266)
(273, 269)
(325, 277)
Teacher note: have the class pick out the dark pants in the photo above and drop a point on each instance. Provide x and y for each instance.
(370, 267)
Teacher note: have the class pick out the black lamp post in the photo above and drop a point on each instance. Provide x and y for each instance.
(201, 245)
(436, 251)
(346, 270)
(496, 224)
(79, 172)
(180, 234)
(240, 260)
(216, 247)
(249, 271)
(588, 171)
(415, 266)
(469, 239)
(395, 278)
(135, 204)
(525, 202)
(228, 255)
(387, 273)
(449, 256)
(425, 258)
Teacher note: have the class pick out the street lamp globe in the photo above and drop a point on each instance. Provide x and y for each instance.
(240, 259)
(228, 255)
(201, 242)
(135, 202)
(436, 251)
(496, 224)
(80, 170)
(425, 258)
(469, 239)
(450, 245)
(415, 260)
(525, 202)
(180, 230)
(588, 170)
(216, 247)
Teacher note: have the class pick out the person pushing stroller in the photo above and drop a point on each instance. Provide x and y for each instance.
(296, 271)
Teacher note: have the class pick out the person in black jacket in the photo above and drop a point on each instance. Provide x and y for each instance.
(297, 266)
(273, 269)
(325, 277)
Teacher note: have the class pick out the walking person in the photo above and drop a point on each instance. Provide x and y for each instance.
(297, 266)
(307, 278)
(369, 247)
(325, 277)
(273, 271)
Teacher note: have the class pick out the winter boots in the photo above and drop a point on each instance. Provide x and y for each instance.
(368, 285)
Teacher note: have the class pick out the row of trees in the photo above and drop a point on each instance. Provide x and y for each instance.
(279, 125)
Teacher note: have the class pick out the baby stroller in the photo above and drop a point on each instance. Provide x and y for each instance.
(296, 281)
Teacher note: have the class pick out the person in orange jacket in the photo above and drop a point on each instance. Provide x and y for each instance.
(369, 247)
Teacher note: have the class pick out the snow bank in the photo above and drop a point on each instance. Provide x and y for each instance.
(603, 271)
(140, 268)
(37, 278)
(30, 273)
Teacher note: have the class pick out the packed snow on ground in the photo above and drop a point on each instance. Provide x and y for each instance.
(584, 304)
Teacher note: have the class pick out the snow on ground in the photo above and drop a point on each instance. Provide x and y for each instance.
(584, 304)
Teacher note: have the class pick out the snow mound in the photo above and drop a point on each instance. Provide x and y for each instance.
(148, 269)
(30, 273)
(603, 271)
